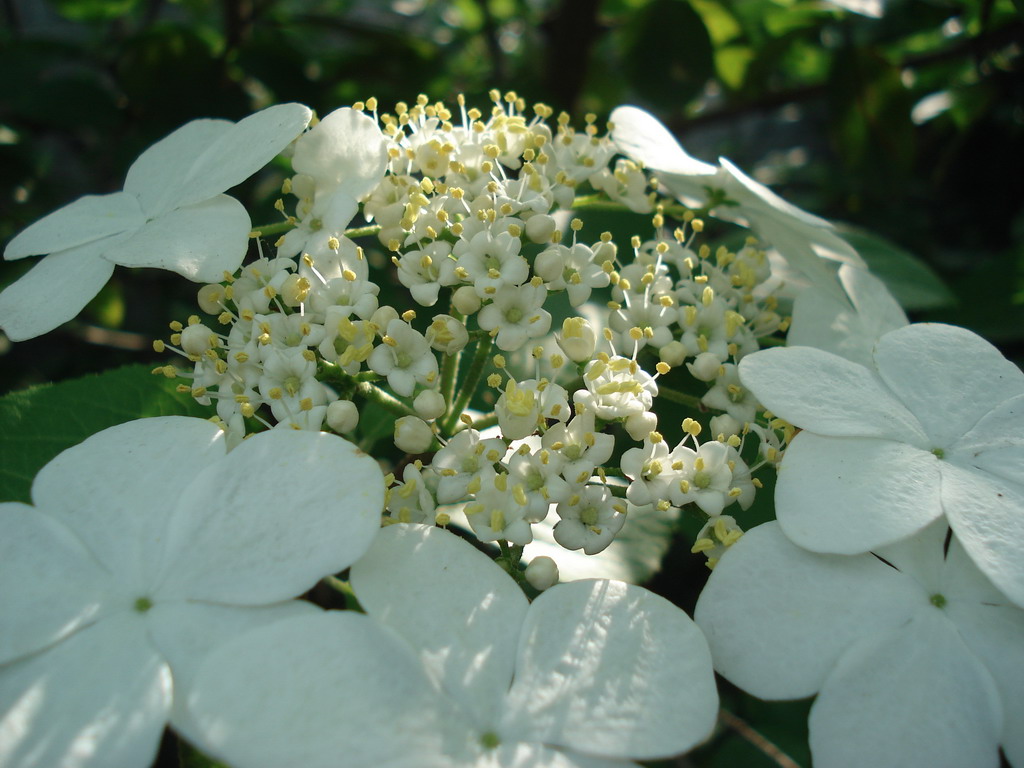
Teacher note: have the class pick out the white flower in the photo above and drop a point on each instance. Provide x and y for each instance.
(171, 214)
(501, 512)
(405, 358)
(820, 320)
(147, 546)
(464, 672)
(796, 234)
(589, 519)
(617, 387)
(516, 315)
(935, 428)
(525, 404)
(916, 659)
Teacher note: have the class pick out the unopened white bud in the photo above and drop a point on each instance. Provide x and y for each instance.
(465, 300)
(211, 298)
(540, 228)
(640, 425)
(578, 339)
(413, 435)
(196, 339)
(429, 404)
(551, 263)
(726, 425)
(705, 366)
(674, 353)
(342, 416)
(542, 573)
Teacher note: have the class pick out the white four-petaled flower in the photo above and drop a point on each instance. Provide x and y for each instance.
(934, 428)
(453, 667)
(171, 214)
(147, 546)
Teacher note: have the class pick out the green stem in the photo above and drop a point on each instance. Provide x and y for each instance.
(675, 396)
(383, 399)
(468, 388)
(265, 230)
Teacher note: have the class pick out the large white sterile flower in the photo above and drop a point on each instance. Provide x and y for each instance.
(821, 320)
(171, 214)
(148, 545)
(916, 659)
(799, 236)
(935, 427)
(453, 667)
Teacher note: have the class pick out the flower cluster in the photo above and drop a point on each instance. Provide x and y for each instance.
(569, 389)
(473, 210)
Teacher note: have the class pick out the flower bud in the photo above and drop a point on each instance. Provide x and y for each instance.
(550, 263)
(640, 425)
(429, 404)
(196, 339)
(674, 353)
(578, 339)
(540, 228)
(413, 435)
(342, 416)
(705, 366)
(542, 573)
(465, 300)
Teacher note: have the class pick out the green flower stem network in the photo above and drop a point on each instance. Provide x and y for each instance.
(438, 397)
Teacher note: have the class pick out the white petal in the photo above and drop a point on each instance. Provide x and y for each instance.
(996, 443)
(185, 632)
(53, 291)
(87, 219)
(522, 755)
(752, 194)
(821, 320)
(947, 376)
(279, 512)
(450, 602)
(643, 138)
(345, 150)
(99, 698)
(912, 696)
(849, 495)
(200, 242)
(52, 585)
(116, 489)
(159, 173)
(987, 515)
(827, 394)
(318, 691)
(778, 617)
(240, 152)
(921, 556)
(993, 630)
(611, 669)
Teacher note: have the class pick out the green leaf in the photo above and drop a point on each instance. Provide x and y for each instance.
(40, 422)
(911, 281)
(667, 58)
